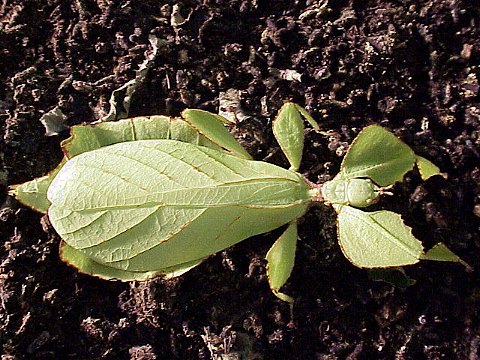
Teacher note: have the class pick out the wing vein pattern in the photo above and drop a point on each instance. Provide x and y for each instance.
(154, 204)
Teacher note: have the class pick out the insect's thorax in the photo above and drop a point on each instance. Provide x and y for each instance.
(360, 192)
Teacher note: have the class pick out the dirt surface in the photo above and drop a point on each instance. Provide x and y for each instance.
(411, 66)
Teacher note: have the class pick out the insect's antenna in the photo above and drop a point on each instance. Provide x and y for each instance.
(385, 190)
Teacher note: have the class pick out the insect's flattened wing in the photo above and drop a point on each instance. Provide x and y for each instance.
(289, 131)
(114, 191)
(214, 230)
(376, 239)
(379, 155)
(129, 204)
(213, 128)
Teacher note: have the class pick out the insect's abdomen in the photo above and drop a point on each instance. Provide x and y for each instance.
(154, 204)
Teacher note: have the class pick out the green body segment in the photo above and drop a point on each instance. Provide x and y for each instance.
(87, 265)
(154, 204)
(94, 136)
(356, 192)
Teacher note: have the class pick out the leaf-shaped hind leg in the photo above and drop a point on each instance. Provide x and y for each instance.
(212, 126)
(281, 258)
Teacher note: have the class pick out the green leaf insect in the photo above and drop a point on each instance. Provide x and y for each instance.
(148, 196)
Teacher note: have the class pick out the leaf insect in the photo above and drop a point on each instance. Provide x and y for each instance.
(149, 196)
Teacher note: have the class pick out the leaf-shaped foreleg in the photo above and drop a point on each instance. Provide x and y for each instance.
(376, 239)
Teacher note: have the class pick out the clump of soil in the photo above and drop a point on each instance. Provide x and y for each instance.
(411, 66)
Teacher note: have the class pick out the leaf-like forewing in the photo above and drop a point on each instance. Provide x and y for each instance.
(379, 155)
(153, 204)
(376, 239)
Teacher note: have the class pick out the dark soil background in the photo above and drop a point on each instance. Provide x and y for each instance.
(411, 66)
